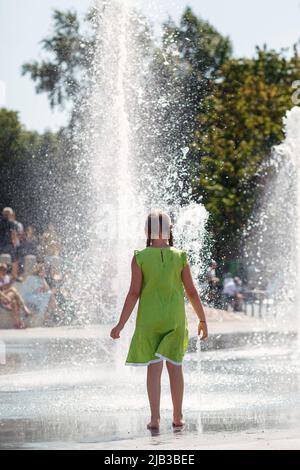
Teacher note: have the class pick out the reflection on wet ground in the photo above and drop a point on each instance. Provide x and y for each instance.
(53, 398)
(100, 428)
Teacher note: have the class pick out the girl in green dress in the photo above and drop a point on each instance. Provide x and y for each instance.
(159, 275)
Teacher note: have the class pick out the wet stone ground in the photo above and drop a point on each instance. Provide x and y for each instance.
(76, 394)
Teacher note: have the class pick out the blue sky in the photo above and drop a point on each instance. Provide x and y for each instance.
(23, 23)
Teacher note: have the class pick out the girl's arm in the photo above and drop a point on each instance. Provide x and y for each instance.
(194, 298)
(131, 299)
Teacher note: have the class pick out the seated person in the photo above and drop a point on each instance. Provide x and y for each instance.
(35, 290)
(28, 246)
(10, 299)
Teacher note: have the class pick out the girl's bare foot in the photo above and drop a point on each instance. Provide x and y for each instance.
(178, 422)
(20, 325)
(154, 424)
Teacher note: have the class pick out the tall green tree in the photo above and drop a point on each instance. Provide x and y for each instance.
(63, 72)
(237, 128)
(10, 133)
(31, 170)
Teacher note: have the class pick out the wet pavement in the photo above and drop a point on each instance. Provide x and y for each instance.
(67, 393)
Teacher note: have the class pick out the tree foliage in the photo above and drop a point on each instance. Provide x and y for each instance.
(237, 127)
(63, 75)
(10, 133)
(32, 166)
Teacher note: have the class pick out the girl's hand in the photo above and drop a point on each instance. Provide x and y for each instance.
(202, 330)
(115, 332)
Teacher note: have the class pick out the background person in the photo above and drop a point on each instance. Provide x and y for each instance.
(29, 245)
(36, 291)
(9, 238)
(229, 291)
(50, 248)
(239, 296)
(19, 227)
(213, 284)
(11, 299)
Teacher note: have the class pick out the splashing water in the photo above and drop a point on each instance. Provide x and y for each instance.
(124, 185)
(272, 250)
(106, 140)
(191, 234)
(289, 151)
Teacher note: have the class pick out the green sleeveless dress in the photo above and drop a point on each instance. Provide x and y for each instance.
(161, 325)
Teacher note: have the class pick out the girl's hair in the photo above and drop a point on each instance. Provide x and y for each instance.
(158, 225)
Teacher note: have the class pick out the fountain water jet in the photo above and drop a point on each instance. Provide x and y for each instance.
(273, 249)
(289, 151)
(118, 196)
(106, 142)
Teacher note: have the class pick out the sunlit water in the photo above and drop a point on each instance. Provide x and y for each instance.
(80, 392)
(49, 395)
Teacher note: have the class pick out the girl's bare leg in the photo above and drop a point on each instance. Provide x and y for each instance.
(154, 389)
(177, 389)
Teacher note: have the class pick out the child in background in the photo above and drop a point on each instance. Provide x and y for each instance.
(159, 273)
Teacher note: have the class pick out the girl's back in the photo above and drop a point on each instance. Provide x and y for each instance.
(161, 267)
